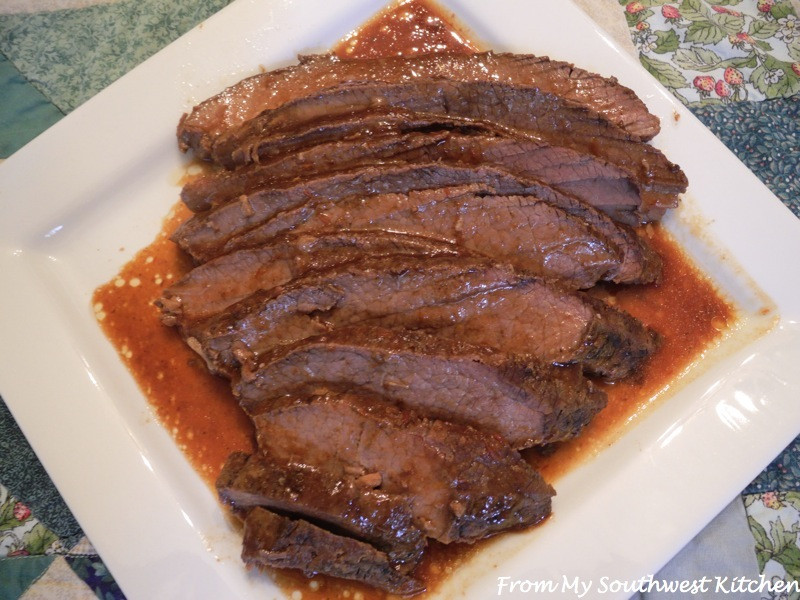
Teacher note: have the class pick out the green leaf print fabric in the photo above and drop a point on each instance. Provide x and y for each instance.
(719, 51)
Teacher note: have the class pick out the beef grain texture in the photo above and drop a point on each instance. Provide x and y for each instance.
(526, 402)
(463, 297)
(522, 109)
(534, 236)
(461, 484)
(251, 96)
(325, 495)
(245, 223)
(630, 187)
(271, 540)
(219, 187)
(211, 287)
(553, 164)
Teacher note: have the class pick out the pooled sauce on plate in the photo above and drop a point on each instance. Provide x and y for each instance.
(200, 412)
(408, 28)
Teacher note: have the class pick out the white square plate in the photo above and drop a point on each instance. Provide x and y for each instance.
(79, 200)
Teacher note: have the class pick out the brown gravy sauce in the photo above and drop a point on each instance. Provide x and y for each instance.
(410, 27)
(202, 416)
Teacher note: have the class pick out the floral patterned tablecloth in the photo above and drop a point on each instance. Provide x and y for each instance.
(735, 63)
(718, 52)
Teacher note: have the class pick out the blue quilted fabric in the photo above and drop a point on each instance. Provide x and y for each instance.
(764, 135)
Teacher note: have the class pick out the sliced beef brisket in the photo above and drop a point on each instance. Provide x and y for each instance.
(245, 223)
(470, 298)
(525, 109)
(474, 145)
(253, 95)
(387, 265)
(293, 168)
(532, 235)
(461, 484)
(324, 494)
(223, 186)
(271, 540)
(343, 295)
(631, 191)
(213, 286)
(525, 401)
(532, 317)
(628, 189)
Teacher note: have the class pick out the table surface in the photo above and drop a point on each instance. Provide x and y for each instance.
(53, 60)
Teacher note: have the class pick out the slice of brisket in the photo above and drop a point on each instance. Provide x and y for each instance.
(265, 146)
(470, 298)
(213, 286)
(617, 183)
(222, 186)
(532, 235)
(327, 495)
(271, 540)
(525, 401)
(241, 224)
(251, 96)
(631, 191)
(343, 295)
(547, 117)
(461, 484)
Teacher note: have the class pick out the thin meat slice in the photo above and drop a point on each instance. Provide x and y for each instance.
(243, 224)
(526, 109)
(213, 286)
(554, 165)
(211, 190)
(253, 95)
(346, 294)
(532, 235)
(269, 146)
(525, 401)
(461, 484)
(211, 233)
(471, 298)
(529, 318)
(325, 128)
(271, 540)
(324, 494)
(631, 192)
(293, 168)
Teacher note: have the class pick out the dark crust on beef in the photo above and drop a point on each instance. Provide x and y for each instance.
(271, 540)
(325, 495)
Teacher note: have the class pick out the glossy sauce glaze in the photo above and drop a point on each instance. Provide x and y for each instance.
(201, 414)
(408, 28)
